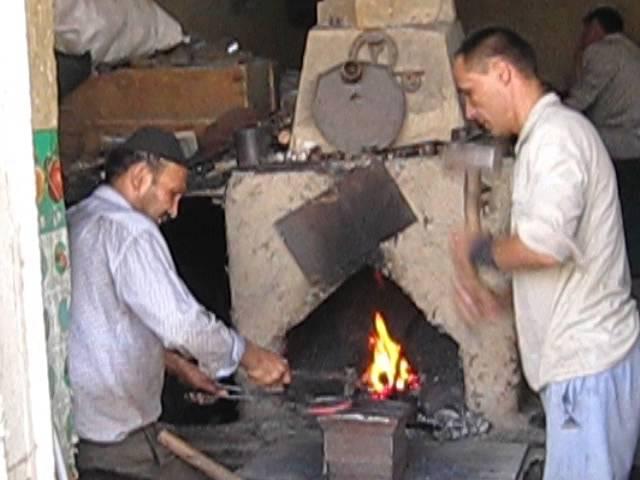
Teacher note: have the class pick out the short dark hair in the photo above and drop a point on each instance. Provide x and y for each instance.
(608, 17)
(493, 42)
(120, 159)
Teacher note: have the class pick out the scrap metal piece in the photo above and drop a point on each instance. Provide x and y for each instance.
(331, 236)
(411, 81)
(329, 405)
(451, 424)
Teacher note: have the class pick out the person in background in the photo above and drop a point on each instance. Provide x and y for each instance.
(606, 89)
(132, 317)
(577, 325)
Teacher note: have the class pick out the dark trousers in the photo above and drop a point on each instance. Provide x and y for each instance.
(139, 456)
(628, 175)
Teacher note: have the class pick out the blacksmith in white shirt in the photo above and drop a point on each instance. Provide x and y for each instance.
(577, 325)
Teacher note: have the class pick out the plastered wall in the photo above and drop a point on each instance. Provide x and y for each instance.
(42, 64)
(552, 26)
(23, 382)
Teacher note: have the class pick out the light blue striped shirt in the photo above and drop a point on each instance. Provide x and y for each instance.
(128, 305)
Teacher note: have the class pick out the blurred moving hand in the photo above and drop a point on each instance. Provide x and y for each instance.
(264, 367)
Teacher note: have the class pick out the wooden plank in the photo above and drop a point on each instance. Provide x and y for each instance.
(135, 93)
(175, 98)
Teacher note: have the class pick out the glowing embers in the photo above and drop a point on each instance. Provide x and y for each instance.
(389, 372)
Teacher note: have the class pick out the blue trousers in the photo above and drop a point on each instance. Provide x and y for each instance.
(593, 423)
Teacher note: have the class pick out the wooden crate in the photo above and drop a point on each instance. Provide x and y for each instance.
(175, 98)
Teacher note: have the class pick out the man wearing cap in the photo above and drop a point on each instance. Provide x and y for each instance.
(131, 315)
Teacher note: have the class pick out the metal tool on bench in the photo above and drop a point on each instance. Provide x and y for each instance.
(317, 406)
(314, 404)
(229, 392)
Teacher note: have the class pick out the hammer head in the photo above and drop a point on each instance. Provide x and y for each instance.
(473, 156)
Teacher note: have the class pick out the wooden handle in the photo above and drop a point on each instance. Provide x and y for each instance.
(195, 457)
(473, 186)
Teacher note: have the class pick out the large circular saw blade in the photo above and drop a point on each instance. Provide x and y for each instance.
(363, 115)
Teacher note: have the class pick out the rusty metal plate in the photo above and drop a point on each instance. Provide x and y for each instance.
(331, 236)
(366, 113)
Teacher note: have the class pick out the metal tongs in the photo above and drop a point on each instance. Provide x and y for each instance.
(238, 393)
(229, 392)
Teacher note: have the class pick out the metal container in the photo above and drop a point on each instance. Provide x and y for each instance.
(252, 145)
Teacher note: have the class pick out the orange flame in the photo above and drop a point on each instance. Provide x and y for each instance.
(389, 371)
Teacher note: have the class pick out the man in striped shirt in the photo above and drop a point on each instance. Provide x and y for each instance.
(132, 317)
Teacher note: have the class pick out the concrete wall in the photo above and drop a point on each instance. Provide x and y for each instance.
(552, 26)
(262, 26)
(23, 382)
(42, 64)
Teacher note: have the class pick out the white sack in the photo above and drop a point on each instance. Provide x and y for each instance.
(114, 30)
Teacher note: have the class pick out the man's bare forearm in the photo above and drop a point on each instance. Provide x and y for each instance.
(173, 362)
(511, 254)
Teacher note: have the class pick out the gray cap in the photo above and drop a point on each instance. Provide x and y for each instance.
(158, 142)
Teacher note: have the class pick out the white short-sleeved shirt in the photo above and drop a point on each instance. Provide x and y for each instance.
(576, 319)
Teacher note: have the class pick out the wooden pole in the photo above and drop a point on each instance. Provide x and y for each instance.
(195, 457)
(473, 189)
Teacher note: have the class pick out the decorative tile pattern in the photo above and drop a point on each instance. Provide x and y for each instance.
(56, 281)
